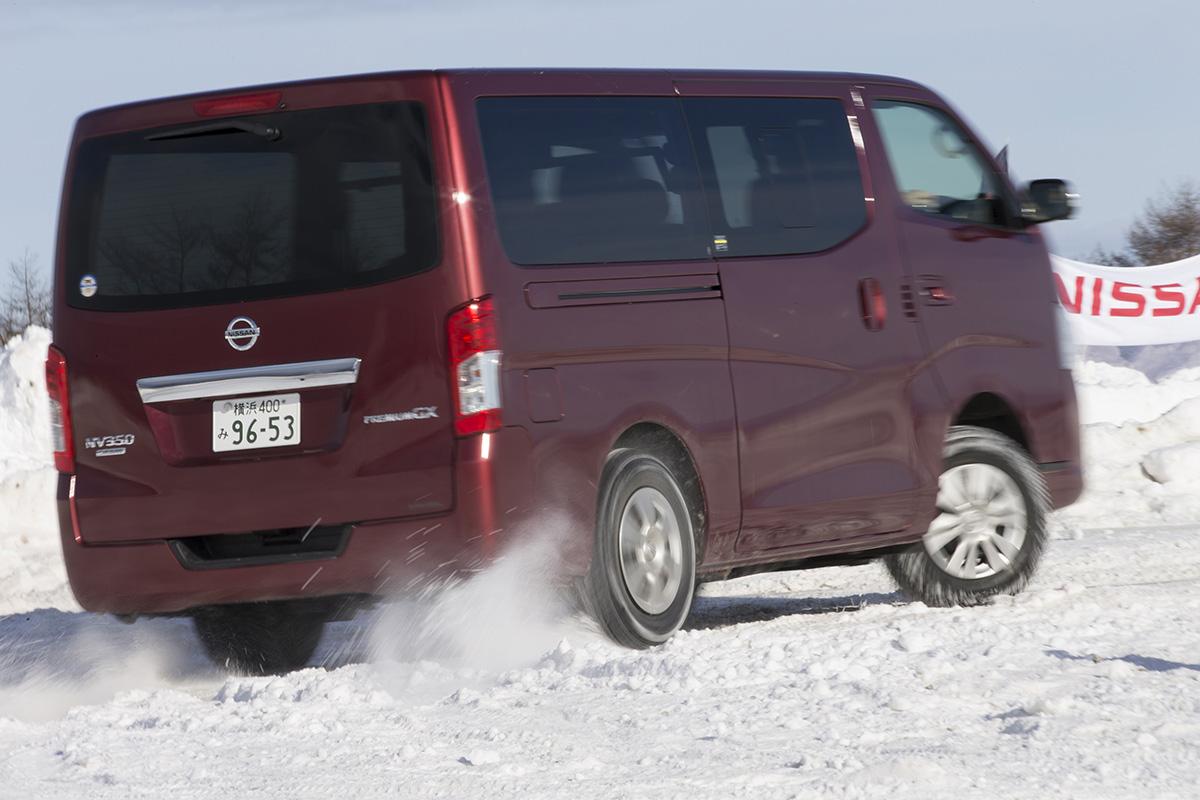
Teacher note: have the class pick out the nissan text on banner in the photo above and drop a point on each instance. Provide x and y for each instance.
(1130, 305)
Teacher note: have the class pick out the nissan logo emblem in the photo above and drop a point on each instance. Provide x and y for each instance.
(242, 333)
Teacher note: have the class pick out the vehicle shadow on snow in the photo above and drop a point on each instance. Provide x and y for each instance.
(1148, 663)
(720, 612)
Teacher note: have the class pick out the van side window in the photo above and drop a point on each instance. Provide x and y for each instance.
(937, 169)
(592, 179)
(781, 174)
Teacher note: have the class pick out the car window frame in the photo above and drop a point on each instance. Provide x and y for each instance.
(87, 203)
(701, 200)
(1009, 205)
(713, 198)
(824, 90)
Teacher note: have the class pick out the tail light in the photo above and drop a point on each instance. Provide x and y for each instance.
(475, 368)
(60, 411)
(237, 104)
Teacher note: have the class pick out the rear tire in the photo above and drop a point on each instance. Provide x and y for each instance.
(643, 573)
(258, 638)
(991, 528)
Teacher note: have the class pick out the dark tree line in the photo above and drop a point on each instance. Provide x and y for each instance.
(1168, 229)
(25, 300)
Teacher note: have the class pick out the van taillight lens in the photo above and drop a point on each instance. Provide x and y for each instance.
(60, 411)
(475, 368)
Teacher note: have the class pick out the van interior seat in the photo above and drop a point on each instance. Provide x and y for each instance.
(605, 190)
(776, 204)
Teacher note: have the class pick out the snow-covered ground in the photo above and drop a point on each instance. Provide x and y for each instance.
(824, 683)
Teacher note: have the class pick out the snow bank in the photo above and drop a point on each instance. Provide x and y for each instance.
(31, 571)
(1140, 473)
(24, 416)
(1156, 361)
(1119, 394)
(1175, 463)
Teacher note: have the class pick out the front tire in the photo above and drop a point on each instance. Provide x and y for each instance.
(258, 638)
(643, 573)
(991, 527)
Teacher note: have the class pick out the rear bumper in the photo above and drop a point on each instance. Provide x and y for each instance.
(402, 556)
(147, 578)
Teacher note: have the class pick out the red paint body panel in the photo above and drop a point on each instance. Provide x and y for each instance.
(380, 557)
(171, 483)
(992, 330)
(823, 400)
(810, 432)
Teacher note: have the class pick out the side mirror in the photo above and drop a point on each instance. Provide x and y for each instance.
(1046, 200)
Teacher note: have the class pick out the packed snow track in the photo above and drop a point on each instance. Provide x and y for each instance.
(798, 684)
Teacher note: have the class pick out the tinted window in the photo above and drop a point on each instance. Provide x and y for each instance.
(782, 174)
(342, 197)
(937, 169)
(592, 179)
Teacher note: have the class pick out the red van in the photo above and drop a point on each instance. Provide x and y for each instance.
(328, 340)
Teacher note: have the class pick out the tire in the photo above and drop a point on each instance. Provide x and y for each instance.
(990, 486)
(258, 638)
(641, 593)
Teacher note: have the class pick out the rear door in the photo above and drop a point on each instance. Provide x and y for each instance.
(252, 300)
(821, 355)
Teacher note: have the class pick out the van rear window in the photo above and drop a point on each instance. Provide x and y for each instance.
(225, 210)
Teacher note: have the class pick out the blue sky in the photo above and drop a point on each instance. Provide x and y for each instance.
(1093, 91)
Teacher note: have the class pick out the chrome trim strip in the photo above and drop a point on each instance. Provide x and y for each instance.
(249, 380)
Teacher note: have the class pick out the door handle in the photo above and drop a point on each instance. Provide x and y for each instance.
(934, 291)
(872, 303)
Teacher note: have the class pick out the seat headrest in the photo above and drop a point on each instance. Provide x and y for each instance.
(609, 185)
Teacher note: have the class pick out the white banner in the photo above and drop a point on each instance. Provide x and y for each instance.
(1130, 305)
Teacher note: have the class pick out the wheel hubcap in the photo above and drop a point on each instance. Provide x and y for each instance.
(651, 546)
(981, 525)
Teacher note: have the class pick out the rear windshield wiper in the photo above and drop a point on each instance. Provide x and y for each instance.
(221, 126)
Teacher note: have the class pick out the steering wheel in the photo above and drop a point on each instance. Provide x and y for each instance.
(967, 209)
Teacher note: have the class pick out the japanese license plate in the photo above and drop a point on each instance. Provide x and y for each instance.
(250, 423)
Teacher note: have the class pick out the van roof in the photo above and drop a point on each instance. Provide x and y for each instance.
(565, 72)
(737, 74)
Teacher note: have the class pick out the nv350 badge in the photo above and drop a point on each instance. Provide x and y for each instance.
(109, 445)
